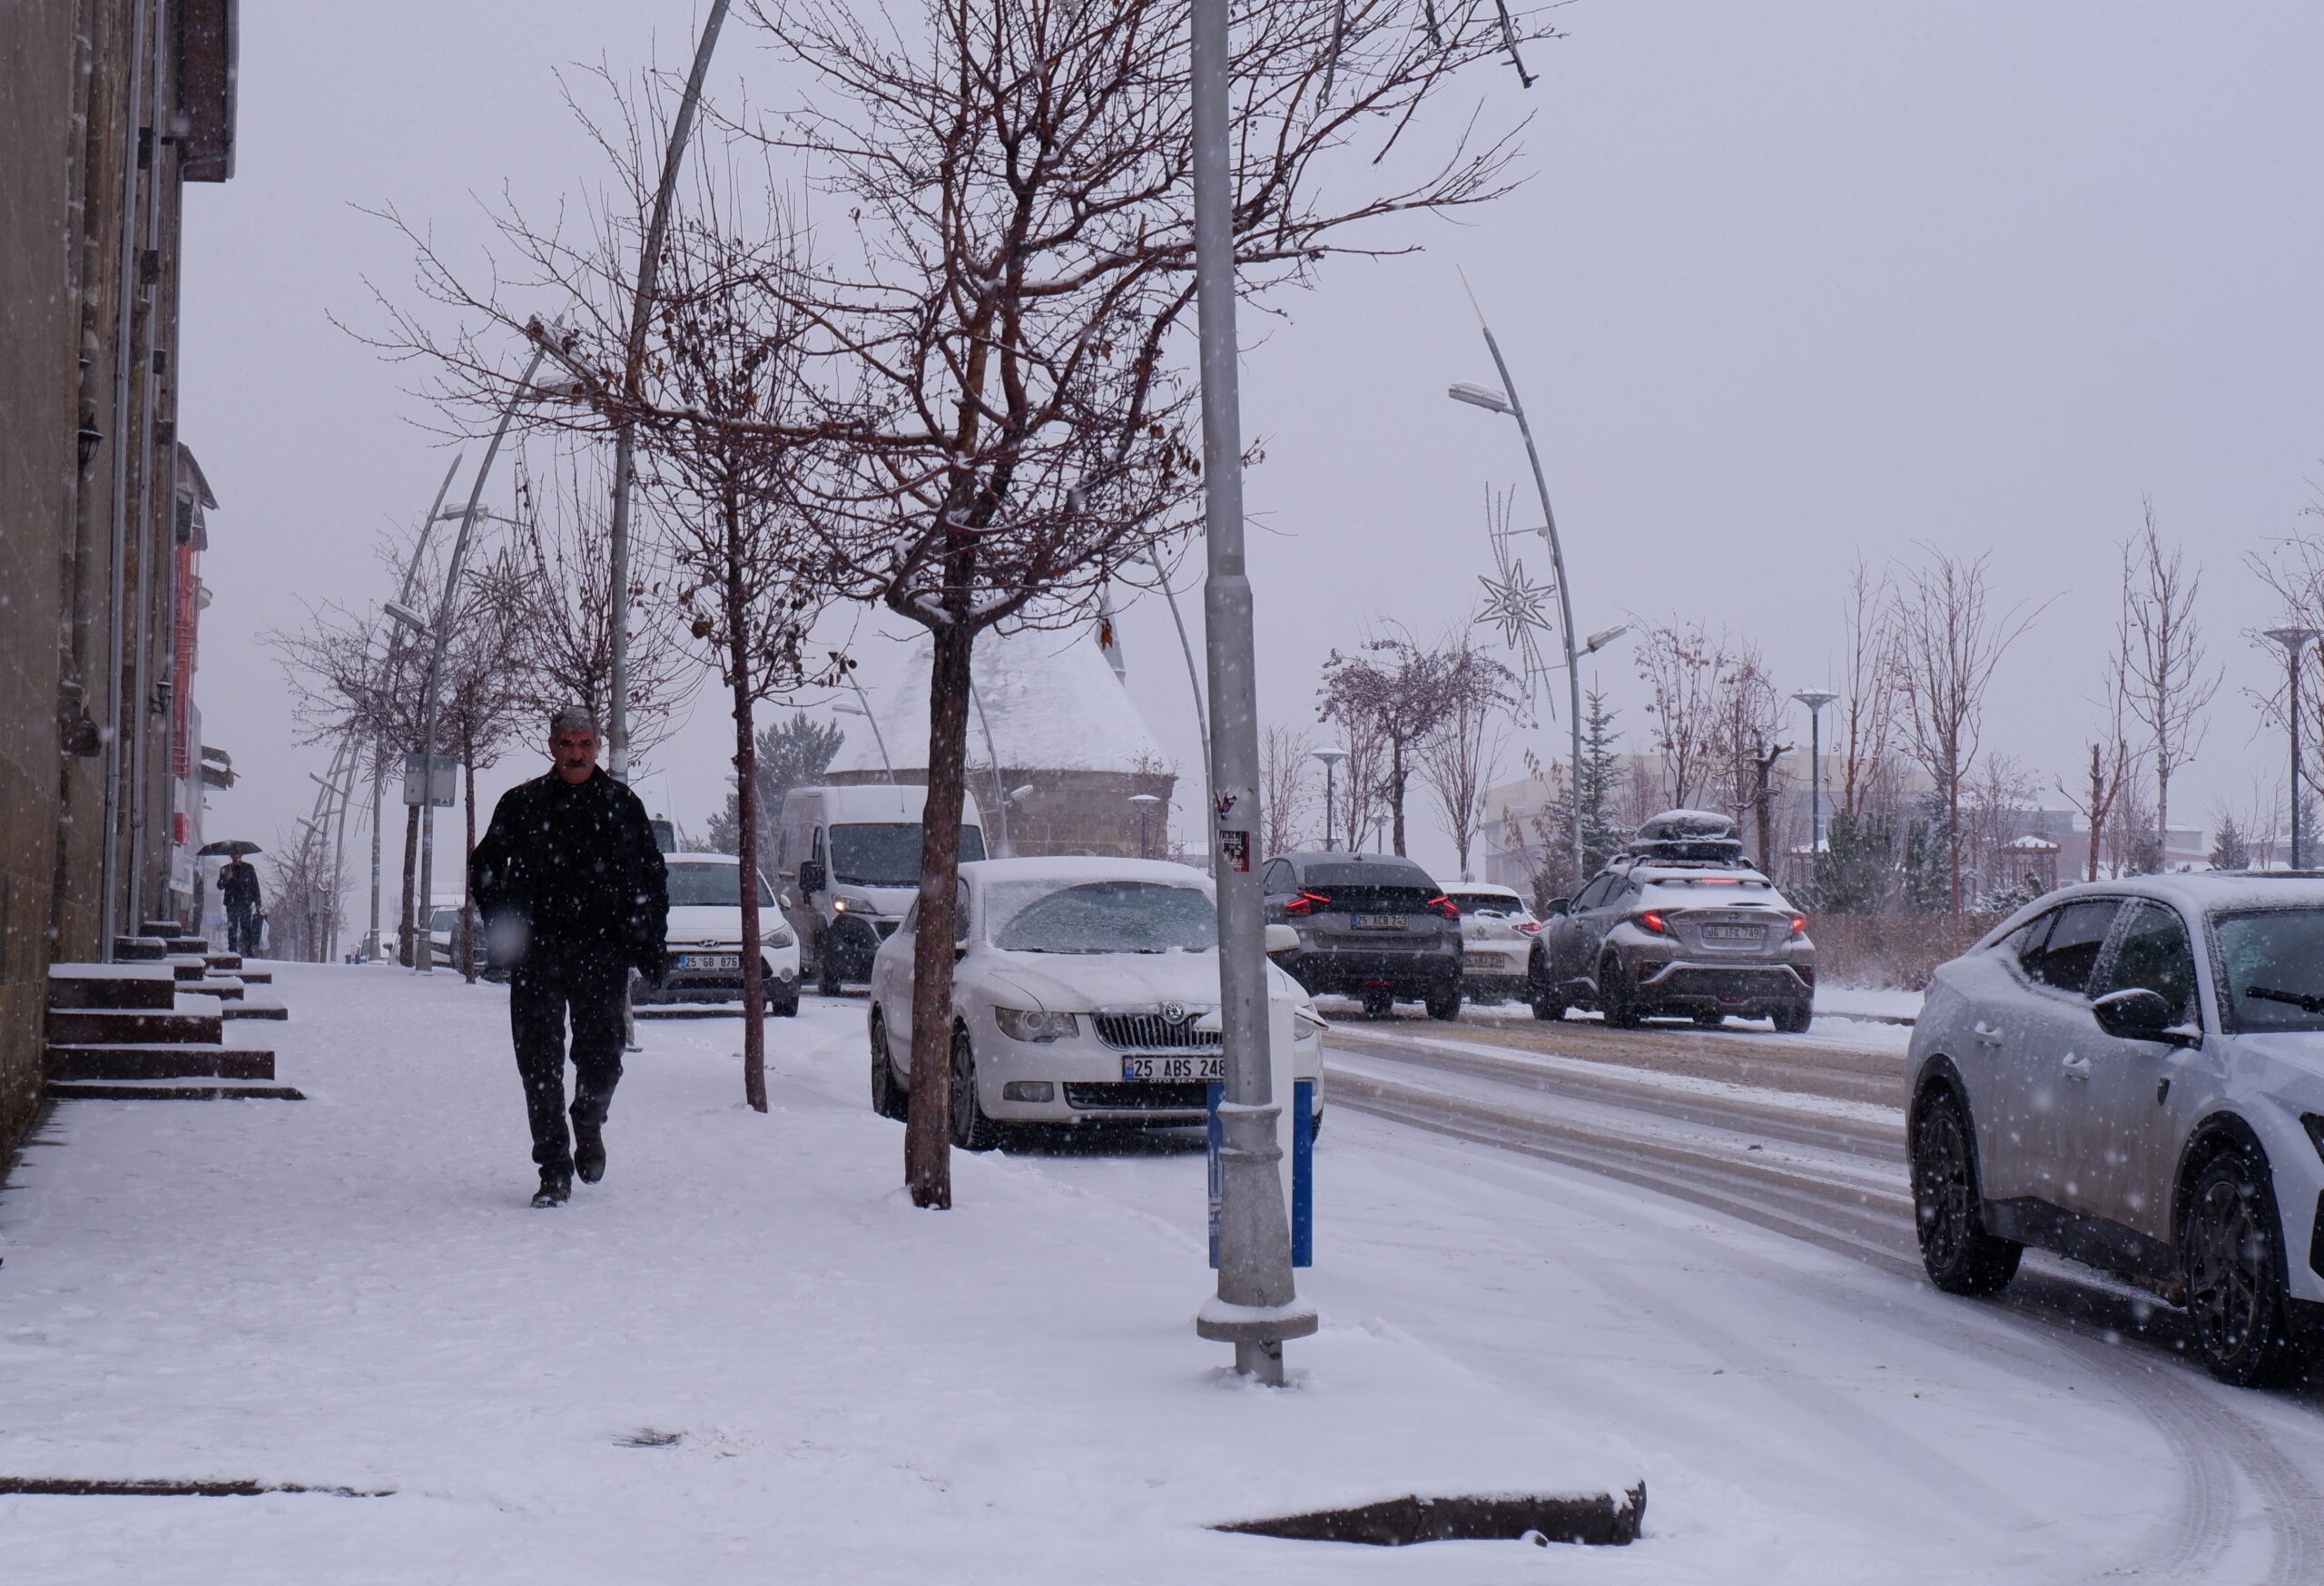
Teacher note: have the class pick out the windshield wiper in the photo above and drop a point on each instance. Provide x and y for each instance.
(2306, 1002)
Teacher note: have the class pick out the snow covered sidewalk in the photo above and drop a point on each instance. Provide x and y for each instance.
(746, 1357)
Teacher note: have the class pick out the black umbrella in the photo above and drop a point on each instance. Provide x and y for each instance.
(228, 847)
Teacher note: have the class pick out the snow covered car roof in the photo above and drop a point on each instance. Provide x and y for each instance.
(1083, 868)
(1484, 890)
(2198, 892)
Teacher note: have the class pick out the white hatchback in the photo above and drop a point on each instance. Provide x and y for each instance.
(1086, 991)
(2131, 1074)
(703, 960)
(1497, 932)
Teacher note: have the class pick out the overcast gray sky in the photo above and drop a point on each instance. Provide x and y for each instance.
(1790, 282)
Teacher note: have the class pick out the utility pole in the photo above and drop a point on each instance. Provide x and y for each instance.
(2295, 641)
(1256, 1307)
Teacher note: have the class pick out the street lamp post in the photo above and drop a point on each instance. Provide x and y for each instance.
(442, 627)
(1506, 401)
(1331, 759)
(2295, 641)
(1256, 1306)
(1815, 699)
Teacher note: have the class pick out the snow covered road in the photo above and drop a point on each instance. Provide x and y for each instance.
(1557, 1269)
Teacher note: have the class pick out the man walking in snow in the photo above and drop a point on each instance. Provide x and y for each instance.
(575, 895)
(238, 888)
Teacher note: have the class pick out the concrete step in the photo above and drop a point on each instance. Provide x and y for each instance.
(225, 988)
(72, 1026)
(252, 1008)
(222, 960)
(135, 1060)
(147, 986)
(250, 976)
(136, 947)
(187, 965)
(161, 927)
(167, 1090)
(181, 942)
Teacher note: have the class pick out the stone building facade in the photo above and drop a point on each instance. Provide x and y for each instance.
(107, 110)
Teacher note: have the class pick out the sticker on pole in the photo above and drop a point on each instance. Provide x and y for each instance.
(1236, 847)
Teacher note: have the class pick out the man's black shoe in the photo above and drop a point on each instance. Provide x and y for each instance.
(556, 1189)
(589, 1153)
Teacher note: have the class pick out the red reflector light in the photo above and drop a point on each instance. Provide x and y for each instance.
(1306, 903)
(1652, 920)
(1444, 906)
(1800, 924)
(1529, 926)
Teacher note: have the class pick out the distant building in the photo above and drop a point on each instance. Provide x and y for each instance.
(1075, 759)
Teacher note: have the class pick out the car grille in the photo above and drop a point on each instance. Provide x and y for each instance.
(1151, 1032)
(1159, 1095)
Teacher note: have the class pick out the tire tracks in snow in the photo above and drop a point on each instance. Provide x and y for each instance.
(1838, 1204)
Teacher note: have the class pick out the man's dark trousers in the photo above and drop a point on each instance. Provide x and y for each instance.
(538, 996)
(241, 931)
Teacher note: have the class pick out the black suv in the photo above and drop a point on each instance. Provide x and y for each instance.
(1371, 925)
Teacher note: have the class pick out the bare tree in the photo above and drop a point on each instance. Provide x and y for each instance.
(564, 576)
(1397, 689)
(1286, 787)
(1685, 671)
(745, 562)
(302, 896)
(1459, 758)
(2113, 760)
(1866, 719)
(2169, 686)
(1949, 641)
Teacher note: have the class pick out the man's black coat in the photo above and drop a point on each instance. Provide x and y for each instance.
(568, 876)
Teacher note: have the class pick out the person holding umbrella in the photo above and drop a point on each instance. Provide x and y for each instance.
(238, 889)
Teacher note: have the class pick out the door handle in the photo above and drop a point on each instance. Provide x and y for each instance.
(1987, 1036)
(2076, 1067)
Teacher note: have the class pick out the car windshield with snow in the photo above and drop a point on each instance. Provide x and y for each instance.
(1086, 992)
(703, 959)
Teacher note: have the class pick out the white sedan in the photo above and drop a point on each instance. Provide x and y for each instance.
(1086, 992)
(1497, 933)
(704, 957)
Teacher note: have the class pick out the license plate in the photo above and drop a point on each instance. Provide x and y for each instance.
(1379, 921)
(1174, 1068)
(711, 960)
(1730, 933)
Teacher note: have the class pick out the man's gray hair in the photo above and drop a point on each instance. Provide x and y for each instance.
(573, 718)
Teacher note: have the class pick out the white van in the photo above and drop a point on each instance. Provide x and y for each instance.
(847, 860)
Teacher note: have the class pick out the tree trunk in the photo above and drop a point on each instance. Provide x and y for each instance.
(2098, 802)
(1396, 792)
(928, 1162)
(1953, 829)
(2161, 817)
(466, 943)
(411, 886)
(738, 661)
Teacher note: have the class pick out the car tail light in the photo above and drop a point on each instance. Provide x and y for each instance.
(1444, 906)
(1652, 920)
(1799, 925)
(1306, 903)
(1529, 927)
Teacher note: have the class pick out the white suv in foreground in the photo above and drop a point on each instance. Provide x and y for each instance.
(2131, 1074)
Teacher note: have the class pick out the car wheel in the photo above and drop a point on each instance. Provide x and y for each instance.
(1378, 1004)
(2232, 1259)
(788, 1008)
(1445, 1004)
(1796, 1019)
(971, 1129)
(1616, 999)
(889, 1099)
(1958, 1254)
(1546, 1005)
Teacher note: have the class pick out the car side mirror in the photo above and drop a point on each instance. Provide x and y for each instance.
(2136, 1014)
(1558, 906)
(1282, 939)
(810, 877)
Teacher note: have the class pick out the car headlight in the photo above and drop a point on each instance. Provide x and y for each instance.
(850, 903)
(778, 938)
(1021, 1024)
(1307, 1025)
(2315, 1124)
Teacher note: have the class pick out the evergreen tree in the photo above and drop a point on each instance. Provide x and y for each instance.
(791, 753)
(1602, 832)
(1857, 872)
(1926, 873)
(2231, 850)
